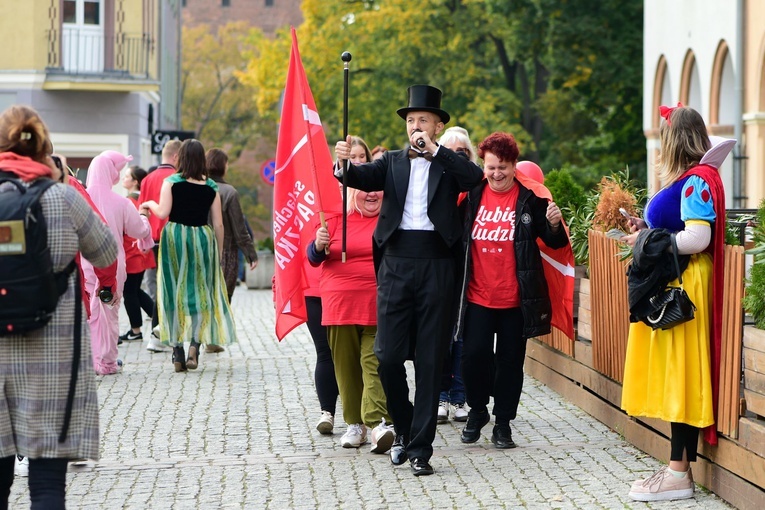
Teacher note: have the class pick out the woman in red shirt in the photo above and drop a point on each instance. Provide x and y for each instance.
(136, 262)
(504, 291)
(349, 310)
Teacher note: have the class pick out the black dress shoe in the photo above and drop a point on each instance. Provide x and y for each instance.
(502, 437)
(475, 423)
(420, 467)
(398, 451)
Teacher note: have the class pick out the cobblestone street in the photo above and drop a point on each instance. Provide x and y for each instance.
(239, 433)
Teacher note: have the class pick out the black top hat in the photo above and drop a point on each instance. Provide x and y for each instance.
(424, 98)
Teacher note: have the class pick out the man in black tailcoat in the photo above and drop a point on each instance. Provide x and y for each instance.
(416, 246)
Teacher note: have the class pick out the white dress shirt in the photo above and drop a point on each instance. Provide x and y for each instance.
(415, 215)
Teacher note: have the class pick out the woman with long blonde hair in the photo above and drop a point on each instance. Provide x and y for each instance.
(672, 374)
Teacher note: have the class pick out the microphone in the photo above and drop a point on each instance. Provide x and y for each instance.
(420, 143)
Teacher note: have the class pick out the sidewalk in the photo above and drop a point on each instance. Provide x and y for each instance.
(239, 433)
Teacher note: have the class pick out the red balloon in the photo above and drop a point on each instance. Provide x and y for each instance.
(532, 170)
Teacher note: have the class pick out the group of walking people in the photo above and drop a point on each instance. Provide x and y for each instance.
(182, 218)
(444, 264)
(430, 238)
(443, 269)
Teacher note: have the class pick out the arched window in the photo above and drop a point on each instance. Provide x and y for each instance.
(722, 97)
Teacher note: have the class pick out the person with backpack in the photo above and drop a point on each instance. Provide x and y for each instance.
(122, 218)
(49, 393)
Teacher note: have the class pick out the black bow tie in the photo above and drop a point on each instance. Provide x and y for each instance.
(416, 154)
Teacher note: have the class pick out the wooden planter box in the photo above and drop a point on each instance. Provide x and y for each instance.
(584, 314)
(754, 369)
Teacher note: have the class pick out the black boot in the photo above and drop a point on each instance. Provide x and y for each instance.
(193, 360)
(179, 359)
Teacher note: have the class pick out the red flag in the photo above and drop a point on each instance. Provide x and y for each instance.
(303, 186)
(559, 269)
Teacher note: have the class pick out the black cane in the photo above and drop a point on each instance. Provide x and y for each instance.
(346, 57)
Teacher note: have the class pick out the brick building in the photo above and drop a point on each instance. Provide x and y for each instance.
(268, 15)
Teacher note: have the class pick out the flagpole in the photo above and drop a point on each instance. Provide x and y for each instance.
(346, 57)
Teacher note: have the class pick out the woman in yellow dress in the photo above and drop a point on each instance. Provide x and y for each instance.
(671, 374)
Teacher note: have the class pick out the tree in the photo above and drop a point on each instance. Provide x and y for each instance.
(221, 109)
(564, 76)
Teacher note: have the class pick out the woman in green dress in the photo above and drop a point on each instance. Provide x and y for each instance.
(191, 291)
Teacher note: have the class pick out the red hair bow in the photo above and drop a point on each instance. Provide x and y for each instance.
(666, 111)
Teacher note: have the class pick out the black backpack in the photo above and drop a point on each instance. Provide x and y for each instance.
(29, 288)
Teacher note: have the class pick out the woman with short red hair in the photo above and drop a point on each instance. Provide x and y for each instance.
(504, 291)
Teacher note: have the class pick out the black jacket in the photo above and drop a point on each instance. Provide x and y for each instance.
(652, 268)
(532, 285)
(449, 175)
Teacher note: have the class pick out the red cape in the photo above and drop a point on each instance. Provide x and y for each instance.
(716, 248)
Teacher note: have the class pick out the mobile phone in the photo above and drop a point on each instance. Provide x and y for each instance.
(625, 213)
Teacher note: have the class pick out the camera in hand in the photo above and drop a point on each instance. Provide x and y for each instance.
(105, 295)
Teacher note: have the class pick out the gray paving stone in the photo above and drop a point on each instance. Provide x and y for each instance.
(238, 433)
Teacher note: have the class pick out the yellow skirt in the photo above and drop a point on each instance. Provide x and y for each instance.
(667, 372)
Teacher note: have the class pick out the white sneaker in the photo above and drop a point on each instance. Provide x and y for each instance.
(154, 345)
(382, 437)
(326, 423)
(22, 466)
(460, 413)
(663, 486)
(355, 436)
(443, 412)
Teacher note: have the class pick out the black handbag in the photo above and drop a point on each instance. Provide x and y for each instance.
(671, 306)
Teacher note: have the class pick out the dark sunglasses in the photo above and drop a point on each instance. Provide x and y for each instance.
(462, 150)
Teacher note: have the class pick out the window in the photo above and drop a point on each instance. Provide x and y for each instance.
(70, 11)
(269, 3)
(90, 12)
(225, 3)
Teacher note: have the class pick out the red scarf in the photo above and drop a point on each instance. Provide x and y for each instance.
(712, 177)
(25, 168)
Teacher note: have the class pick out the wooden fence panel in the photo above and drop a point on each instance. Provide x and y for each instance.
(610, 306)
(558, 340)
(732, 338)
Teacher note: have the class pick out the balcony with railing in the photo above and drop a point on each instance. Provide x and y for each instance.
(83, 56)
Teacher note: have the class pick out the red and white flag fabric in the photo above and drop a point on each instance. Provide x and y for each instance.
(559, 269)
(303, 186)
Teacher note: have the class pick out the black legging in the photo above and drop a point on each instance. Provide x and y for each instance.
(47, 483)
(506, 380)
(136, 299)
(324, 375)
(684, 437)
(155, 313)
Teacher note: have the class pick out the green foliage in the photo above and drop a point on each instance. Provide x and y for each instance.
(221, 109)
(735, 226)
(579, 223)
(754, 300)
(266, 244)
(564, 77)
(566, 192)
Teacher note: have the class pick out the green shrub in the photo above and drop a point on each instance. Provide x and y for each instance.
(566, 192)
(754, 301)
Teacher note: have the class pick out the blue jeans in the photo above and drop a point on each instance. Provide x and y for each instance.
(455, 394)
(47, 482)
